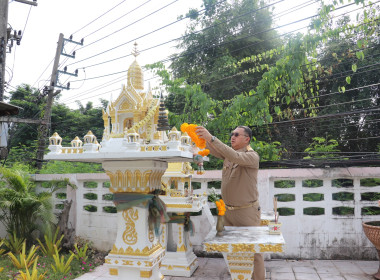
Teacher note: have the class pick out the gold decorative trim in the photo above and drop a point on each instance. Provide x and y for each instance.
(108, 261)
(216, 247)
(236, 248)
(170, 267)
(179, 205)
(264, 222)
(163, 236)
(151, 235)
(179, 235)
(130, 235)
(145, 274)
(181, 248)
(242, 271)
(125, 262)
(271, 248)
(114, 271)
(175, 193)
(136, 181)
(240, 258)
(239, 264)
(131, 252)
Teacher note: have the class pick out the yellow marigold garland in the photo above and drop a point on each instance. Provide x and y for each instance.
(199, 142)
(204, 152)
(221, 207)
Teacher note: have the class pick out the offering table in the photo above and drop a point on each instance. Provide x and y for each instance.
(238, 246)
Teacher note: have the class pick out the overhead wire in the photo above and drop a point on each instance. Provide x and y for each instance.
(159, 61)
(96, 88)
(88, 34)
(329, 124)
(23, 32)
(125, 27)
(238, 16)
(75, 33)
(236, 39)
(113, 48)
(257, 43)
(181, 37)
(161, 44)
(322, 79)
(118, 72)
(104, 26)
(99, 17)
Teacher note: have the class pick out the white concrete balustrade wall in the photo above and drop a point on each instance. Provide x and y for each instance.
(327, 236)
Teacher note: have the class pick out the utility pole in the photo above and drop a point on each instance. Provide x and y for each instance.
(4, 37)
(3, 43)
(54, 83)
(43, 131)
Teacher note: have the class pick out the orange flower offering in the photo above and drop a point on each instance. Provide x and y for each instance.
(204, 153)
(190, 130)
(221, 207)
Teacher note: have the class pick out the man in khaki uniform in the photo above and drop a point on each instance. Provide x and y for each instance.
(239, 180)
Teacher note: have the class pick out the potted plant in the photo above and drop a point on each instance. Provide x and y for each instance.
(372, 231)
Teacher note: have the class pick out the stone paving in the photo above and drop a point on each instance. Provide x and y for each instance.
(215, 269)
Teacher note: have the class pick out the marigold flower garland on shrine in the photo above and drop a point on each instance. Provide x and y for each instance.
(199, 142)
(221, 207)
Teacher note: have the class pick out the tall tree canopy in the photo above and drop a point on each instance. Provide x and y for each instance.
(295, 79)
(219, 36)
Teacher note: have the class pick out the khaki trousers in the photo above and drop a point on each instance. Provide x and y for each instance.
(244, 218)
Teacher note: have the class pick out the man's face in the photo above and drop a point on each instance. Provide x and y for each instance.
(239, 139)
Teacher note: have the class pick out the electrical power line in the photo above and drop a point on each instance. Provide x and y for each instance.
(113, 48)
(224, 42)
(98, 17)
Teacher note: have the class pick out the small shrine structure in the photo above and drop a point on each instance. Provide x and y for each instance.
(134, 153)
(180, 202)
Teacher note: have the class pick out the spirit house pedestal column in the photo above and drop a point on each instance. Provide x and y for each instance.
(137, 252)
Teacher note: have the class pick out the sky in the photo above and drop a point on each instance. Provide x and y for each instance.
(109, 29)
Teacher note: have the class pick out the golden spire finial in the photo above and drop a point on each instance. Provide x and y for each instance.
(135, 51)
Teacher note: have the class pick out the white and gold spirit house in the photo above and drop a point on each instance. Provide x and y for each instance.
(135, 156)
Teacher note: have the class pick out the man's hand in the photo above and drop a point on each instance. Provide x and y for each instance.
(203, 133)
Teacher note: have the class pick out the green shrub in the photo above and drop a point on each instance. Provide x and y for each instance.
(51, 242)
(60, 264)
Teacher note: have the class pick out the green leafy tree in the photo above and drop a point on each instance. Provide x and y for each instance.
(288, 89)
(68, 122)
(225, 33)
(322, 148)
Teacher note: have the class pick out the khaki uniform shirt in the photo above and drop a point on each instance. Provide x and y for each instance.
(239, 175)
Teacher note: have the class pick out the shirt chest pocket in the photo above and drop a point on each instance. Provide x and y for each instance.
(235, 170)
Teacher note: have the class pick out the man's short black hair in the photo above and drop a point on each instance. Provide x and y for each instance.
(247, 130)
